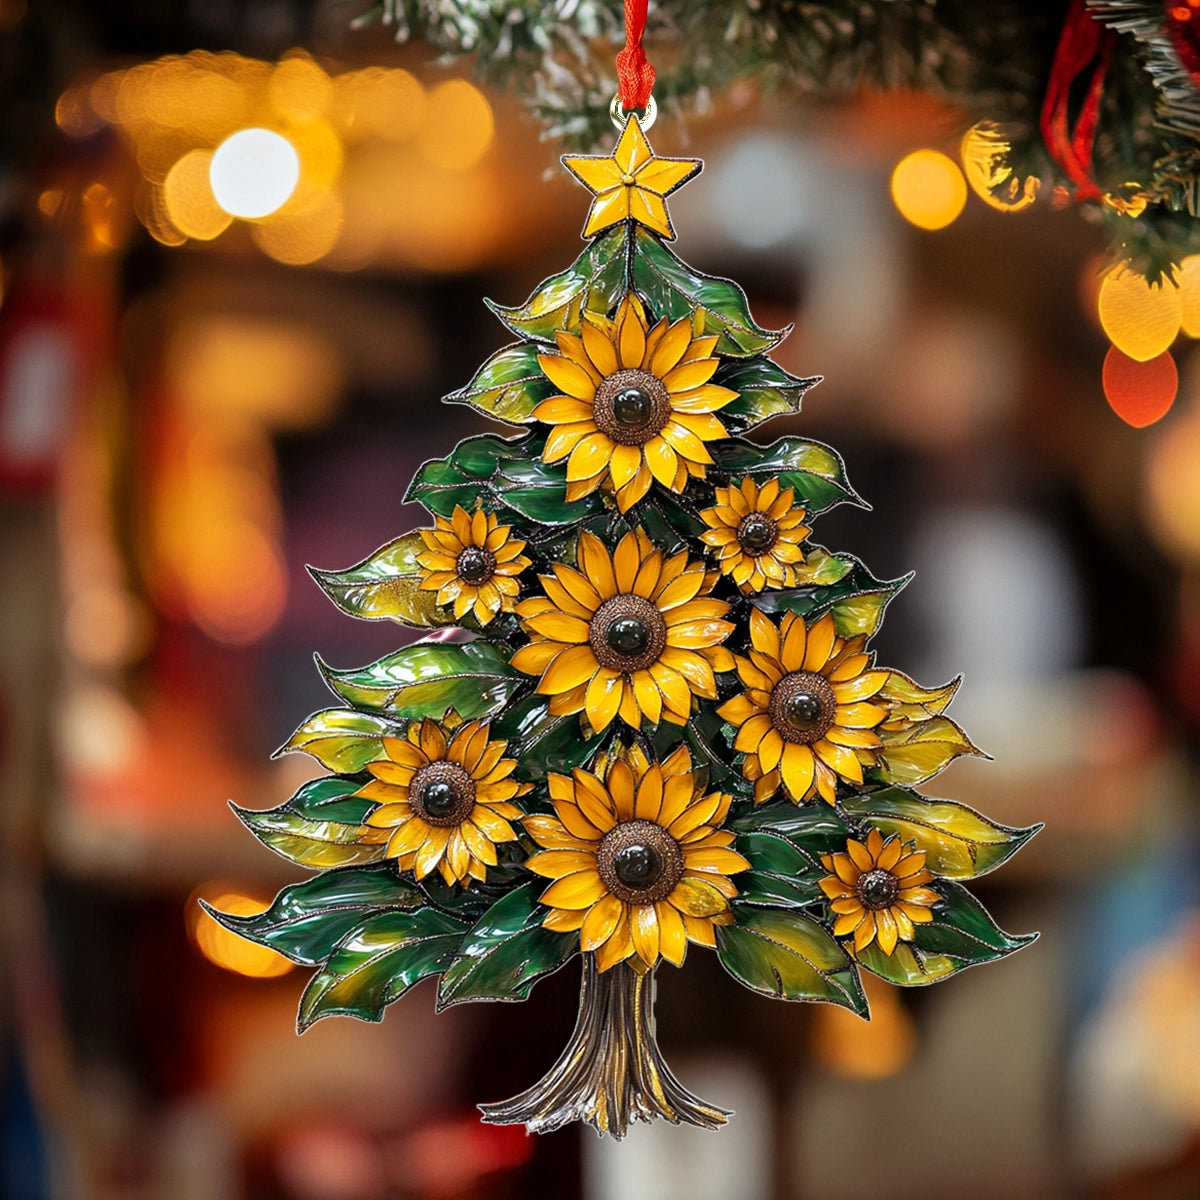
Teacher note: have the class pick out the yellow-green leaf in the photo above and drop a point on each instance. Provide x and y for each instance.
(907, 966)
(918, 753)
(341, 739)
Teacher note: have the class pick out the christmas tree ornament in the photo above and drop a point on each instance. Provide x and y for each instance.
(662, 729)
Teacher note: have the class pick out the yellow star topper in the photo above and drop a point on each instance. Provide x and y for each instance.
(631, 183)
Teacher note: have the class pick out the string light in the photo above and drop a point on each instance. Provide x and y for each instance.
(1140, 393)
(1140, 320)
(928, 189)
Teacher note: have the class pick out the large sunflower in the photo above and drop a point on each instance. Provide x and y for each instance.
(640, 864)
(805, 716)
(447, 800)
(472, 561)
(637, 404)
(630, 633)
(877, 891)
(756, 532)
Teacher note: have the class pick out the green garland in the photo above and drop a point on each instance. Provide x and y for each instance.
(991, 61)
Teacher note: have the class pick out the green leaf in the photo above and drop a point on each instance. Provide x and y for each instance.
(341, 739)
(814, 471)
(790, 956)
(594, 282)
(307, 920)
(542, 742)
(907, 966)
(377, 962)
(321, 826)
(427, 678)
(959, 843)
(920, 752)
(765, 390)
(507, 952)
(703, 736)
(783, 875)
(385, 586)
(962, 928)
(672, 289)
(857, 601)
(509, 386)
(815, 828)
(443, 483)
(539, 492)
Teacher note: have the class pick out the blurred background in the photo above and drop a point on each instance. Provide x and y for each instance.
(220, 359)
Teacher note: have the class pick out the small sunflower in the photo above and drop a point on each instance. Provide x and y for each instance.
(630, 633)
(472, 561)
(447, 801)
(877, 891)
(637, 404)
(805, 715)
(756, 532)
(640, 864)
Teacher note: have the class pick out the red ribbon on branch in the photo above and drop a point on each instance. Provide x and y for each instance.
(1084, 41)
(635, 76)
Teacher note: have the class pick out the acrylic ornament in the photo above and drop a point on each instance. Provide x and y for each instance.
(662, 731)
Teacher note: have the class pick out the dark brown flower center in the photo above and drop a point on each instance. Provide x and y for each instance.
(475, 565)
(627, 633)
(757, 533)
(802, 707)
(631, 406)
(639, 862)
(442, 793)
(877, 889)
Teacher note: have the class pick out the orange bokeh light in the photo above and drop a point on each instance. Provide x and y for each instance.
(225, 949)
(1140, 393)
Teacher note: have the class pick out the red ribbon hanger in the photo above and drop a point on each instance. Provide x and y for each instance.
(635, 76)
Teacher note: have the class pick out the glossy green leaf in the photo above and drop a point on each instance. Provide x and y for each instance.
(920, 752)
(815, 828)
(509, 386)
(764, 388)
(672, 289)
(542, 742)
(341, 739)
(441, 484)
(321, 826)
(539, 492)
(507, 952)
(377, 962)
(814, 471)
(790, 956)
(908, 966)
(783, 875)
(857, 601)
(594, 282)
(963, 929)
(822, 569)
(427, 678)
(385, 586)
(307, 920)
(959, 843)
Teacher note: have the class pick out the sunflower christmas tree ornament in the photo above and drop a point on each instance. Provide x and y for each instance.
(661, 730)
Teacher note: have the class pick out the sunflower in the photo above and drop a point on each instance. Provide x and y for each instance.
(472, 561)
(448, 801)
(757, 534)
(640, 864)
(630, 633)
(806, 714)
(877, 891)
(637, 403)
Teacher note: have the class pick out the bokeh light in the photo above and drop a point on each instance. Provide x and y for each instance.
(984, 153)
(1188, 277)
(1140, 393)
(189, 199)
(226, 949)
(1172, 493)
(253, 172)
(458, 126)
(1140, 319)
(928, 189)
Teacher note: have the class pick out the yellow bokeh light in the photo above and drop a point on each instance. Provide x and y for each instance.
(1188, 276)
(928, 189)
(253, 172)
(189, 199)
(458, 126)
(305, 235)
(379, 103)
(985, 152)
(226, 949)
(1172, 494)
(321, 156)
(300, 88)
(1140, 320)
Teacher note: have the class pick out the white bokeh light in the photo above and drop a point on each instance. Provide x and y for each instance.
(253, 173)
